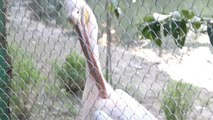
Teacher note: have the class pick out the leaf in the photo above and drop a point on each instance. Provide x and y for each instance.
(146, 33)
(210, 32)
(158, 42)
(166, 28)
(117, 12)
(149, 19)
(111, 7)
(189, 14)
(179, 32)
(152, 32)
(196, 25)
(156, 33)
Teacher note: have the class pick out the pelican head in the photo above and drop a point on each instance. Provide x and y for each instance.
(74, 10)
(84, 21)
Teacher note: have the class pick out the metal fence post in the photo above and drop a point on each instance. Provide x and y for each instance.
(5, 71)
(109, 40)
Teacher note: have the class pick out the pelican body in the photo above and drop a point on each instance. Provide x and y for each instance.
(100, 101)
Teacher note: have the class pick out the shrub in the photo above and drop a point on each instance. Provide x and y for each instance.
(72, 73)
(25, 77)
(177, 100)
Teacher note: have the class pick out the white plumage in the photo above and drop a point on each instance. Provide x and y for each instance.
(100, 101)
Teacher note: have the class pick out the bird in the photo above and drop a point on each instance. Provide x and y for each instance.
(99, 101)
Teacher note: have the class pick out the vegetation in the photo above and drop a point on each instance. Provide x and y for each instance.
(72, 73)
(178, 100)
(26, 77)
(176, 24)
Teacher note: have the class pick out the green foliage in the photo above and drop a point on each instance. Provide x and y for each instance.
(26, 77)
(176, 24)
(177, 100)
(196, 25)
(210, 32)
(179, 32)
(152, 32)
(172, 25)
(72, 73)
(188, 14)
(148, 19)
(113, 8)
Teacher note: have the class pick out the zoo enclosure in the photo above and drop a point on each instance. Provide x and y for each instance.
(170, 78)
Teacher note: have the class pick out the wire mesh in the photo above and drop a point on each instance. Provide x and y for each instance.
(49, 69)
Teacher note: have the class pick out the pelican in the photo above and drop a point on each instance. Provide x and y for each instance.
(100, 101)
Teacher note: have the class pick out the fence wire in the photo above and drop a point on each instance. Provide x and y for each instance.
(49, 68)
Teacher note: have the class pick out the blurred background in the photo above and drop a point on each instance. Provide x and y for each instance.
(169, 75)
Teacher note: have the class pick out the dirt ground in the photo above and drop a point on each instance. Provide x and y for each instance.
(139, 70)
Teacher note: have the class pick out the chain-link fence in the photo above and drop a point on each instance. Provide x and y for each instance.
(157, 51)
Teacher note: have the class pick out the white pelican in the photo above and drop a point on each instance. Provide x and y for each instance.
(99, 101)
